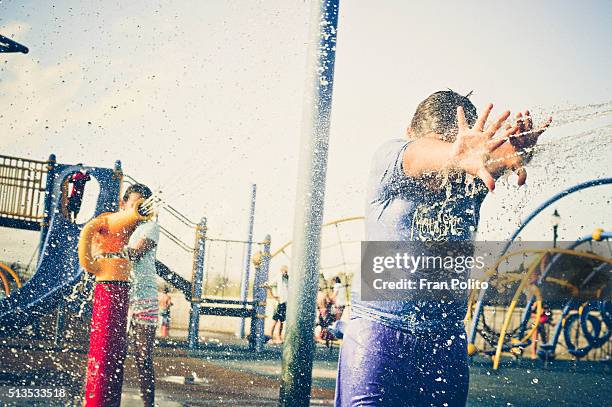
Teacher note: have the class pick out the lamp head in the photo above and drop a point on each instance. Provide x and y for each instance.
(555, 219)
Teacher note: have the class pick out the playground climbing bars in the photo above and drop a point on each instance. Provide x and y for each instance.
(196, 285)
(244, 285)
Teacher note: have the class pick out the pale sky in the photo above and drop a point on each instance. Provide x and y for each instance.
(200, 99)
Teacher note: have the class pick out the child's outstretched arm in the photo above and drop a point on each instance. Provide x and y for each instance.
(469, 153)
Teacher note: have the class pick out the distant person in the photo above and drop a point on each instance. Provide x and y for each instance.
(75, 199)
(280, 313)
(339, 297)
(325, 317)
(165, 302)
(144, 304)
(544, 319)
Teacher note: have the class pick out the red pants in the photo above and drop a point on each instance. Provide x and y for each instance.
(107, 344)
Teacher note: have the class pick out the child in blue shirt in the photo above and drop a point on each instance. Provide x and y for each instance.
(144, 305)
(427, 188)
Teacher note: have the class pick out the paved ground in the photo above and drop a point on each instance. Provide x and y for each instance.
(225, 373)
(219, 374)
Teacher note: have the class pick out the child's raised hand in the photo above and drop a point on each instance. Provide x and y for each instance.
(522, 142)
(525, 136)
(471, 149)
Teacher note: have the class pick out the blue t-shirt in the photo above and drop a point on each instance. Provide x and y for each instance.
(401, 208)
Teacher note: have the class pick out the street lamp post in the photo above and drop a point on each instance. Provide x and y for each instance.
(555, 220)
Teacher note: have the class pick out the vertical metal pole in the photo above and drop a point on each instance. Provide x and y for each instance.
(244, 287)
(196, 284)
(298, 350)
(258, 339)
(48, 202)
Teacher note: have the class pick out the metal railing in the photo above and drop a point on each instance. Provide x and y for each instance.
(22, 188)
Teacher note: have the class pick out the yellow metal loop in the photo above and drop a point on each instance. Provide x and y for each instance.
(597, 234)
(12, 273)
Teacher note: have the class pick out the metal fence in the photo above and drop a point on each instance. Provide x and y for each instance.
(22, 191)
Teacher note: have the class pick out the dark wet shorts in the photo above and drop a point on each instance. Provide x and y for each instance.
(382, 366)
(280, 313)
(74, 203)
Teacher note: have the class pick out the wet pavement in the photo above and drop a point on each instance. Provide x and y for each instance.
(226, 373)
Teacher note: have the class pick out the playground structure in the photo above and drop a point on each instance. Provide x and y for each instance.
(209, 280)
(27, 204)
(340, 251)
(583, 277)
(33, 196)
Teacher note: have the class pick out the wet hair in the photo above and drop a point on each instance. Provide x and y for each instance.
(438, 114)
(141, 189)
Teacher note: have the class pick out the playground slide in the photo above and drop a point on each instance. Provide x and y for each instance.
(57, 270)
(58, 267)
